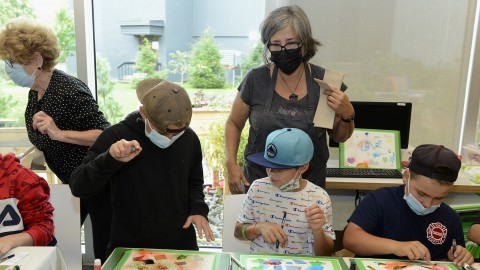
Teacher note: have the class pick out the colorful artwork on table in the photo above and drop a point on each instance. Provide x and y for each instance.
(271, 262)
(374, 264)
(371, 148)
(166, 260)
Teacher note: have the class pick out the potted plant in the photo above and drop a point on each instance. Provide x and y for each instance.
(215, 155)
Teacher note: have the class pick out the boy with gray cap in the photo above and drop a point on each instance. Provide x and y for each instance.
(411, 221)
(284, 213)
(153, 161)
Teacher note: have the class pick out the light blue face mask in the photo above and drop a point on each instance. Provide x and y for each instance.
(291, 185)
(18, 75)
(159, 139)
(417, 206)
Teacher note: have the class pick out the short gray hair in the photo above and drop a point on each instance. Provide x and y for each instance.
(292, 16)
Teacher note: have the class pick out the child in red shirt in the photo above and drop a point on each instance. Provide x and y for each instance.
(25, 210)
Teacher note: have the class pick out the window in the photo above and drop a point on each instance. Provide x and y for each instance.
(390, 51)
(402, 51)
(59, 16)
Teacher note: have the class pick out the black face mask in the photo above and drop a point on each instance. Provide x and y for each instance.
(287, 60)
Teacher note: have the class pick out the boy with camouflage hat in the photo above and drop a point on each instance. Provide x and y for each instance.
(153, 161)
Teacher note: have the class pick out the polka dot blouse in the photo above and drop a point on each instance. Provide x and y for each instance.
(71, 105)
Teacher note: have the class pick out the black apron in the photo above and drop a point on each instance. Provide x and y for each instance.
(270, 122)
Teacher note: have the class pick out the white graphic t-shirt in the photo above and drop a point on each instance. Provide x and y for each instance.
(266, 203)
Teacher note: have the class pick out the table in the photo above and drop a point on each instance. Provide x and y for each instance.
(223, 259)
(39, 258)
(463, 184)
(222, 262)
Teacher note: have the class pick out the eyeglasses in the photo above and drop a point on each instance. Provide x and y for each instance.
(173, 131)
(9, 62)
(286, 47)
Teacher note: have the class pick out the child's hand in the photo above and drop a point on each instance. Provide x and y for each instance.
(271, 232)
(315, 217)
(460, 256)
(124, 150)
(202, 227)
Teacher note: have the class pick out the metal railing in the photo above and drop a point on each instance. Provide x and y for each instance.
(126, 69)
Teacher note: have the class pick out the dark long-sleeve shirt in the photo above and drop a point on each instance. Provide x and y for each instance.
(153, 194)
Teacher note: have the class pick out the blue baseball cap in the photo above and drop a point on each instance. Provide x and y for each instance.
(284, 149)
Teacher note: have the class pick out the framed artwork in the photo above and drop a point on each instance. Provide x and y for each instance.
(371, 148)
(273, 262)
(374, 264)
(167, 260)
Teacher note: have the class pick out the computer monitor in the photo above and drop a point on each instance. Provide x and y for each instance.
(383, 115)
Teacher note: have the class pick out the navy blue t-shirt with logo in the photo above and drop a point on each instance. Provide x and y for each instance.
(384, 213)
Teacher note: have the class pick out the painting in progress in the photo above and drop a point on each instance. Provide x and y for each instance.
(374, 264)
(166, 260)
(370, 148)
(271, 262)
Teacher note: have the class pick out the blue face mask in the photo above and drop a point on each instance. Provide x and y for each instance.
(291, 185)
(417, 206)
(159, 139)
(18, 75)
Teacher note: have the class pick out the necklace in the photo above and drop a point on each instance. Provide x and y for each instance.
(293, 97)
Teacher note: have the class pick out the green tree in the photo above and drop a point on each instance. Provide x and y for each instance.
(6, 101)
(65, 29)
(107, 104)
(179, 63)
(255, 59)
(146, 61)
(10, 9)
(206, 70)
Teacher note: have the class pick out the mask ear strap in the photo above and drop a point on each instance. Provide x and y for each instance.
(408, 182)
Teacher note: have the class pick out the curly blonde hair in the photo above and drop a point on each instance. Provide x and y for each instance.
(25, 38)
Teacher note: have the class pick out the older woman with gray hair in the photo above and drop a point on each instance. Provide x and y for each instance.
(282, 93)
(62, 117)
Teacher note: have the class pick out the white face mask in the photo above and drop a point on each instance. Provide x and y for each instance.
(159, 139)
(19, 76)
(417, 206)
(291, 185)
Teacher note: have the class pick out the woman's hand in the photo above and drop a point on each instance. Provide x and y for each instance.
(339, 102)
(45, 125)
(235, 179)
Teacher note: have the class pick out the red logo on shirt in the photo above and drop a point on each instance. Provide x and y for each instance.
(436, 233)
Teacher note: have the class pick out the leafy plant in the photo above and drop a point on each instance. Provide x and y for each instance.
(206, 69)
(179, 63)
(10, 9)
(6, 101)
(65, 29)
(146, 61)
(107, 104)
(216, 146)
(255, 59)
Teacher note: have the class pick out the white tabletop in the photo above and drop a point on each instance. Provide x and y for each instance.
(38, 258)
(463, 184)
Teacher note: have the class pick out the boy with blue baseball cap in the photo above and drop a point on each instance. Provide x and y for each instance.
(284, 213)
